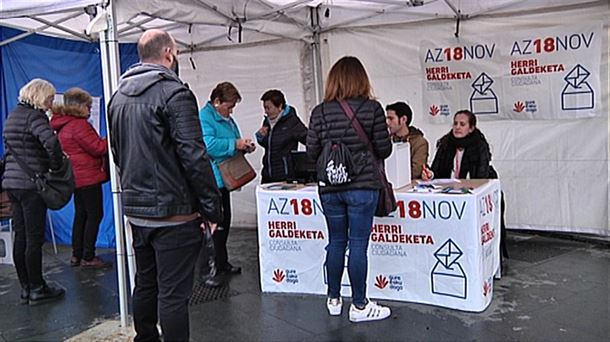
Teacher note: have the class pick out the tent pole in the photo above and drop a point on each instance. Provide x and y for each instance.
(316, 54)
(110, 72)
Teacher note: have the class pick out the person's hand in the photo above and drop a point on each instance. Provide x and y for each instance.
(212, 226)
(263, 131)
(245, 145)
(426, 173)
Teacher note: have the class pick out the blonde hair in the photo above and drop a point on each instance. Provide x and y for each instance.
(36, 92)
(347, 79)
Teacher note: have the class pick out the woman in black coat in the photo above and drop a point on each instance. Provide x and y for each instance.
(281, 132)
(463, 152)
(28, 136)
(349, 207)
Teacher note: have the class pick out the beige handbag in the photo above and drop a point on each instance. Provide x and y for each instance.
(236, 171)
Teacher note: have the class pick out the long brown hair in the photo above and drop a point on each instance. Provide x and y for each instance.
(347, 79)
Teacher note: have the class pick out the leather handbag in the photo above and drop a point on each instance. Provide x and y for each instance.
(236, 171)
(387, 200)
(55, 186)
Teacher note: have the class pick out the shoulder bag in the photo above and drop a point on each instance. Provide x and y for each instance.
(387, 200)
(55, 186)
(236, 171)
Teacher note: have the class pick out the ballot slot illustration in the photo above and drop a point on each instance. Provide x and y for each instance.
(448, 277)
(577, 94)
(483, 100)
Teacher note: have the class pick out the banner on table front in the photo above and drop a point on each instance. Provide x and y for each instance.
(439, 249)
(523, 74)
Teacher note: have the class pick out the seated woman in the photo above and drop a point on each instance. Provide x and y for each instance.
(464, 153)
(461, 153)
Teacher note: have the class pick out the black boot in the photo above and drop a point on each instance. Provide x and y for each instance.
(45, 293)
(25, 294)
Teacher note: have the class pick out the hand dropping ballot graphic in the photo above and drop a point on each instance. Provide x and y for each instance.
(483, 99)
(577, 93)
(448, 277)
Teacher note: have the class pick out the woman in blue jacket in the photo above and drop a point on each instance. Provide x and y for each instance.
(223, 140)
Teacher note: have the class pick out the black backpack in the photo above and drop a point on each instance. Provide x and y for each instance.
(335, 164)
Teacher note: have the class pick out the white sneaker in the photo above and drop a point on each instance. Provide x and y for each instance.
(334, 306)
(371, 312)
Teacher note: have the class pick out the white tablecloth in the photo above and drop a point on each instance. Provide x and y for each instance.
(440, 249)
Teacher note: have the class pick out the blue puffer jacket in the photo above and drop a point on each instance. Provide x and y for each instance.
(219, 135)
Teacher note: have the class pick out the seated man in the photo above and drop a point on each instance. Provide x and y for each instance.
(398, 117)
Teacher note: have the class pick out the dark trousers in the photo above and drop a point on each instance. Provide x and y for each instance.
(503, 249)
(164, 279)
(29, 217)
(221, 235)
(88, 213)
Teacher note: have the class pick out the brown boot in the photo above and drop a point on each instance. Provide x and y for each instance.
(94, 263)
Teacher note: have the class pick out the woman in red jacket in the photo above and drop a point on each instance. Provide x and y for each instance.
(88, 152)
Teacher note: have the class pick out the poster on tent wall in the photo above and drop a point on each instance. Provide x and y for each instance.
(539, 74)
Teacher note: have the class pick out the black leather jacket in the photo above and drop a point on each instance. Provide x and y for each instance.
(158, 147)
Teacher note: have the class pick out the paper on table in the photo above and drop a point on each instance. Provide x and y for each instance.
(440, 181)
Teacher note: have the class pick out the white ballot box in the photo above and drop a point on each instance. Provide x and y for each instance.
(398, 165)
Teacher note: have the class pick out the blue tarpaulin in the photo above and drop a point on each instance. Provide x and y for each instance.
(66, 64)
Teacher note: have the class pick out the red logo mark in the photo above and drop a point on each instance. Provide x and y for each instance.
(381, 282)
(519, 107)
(486, 288)
(278, 276)
(434, 110)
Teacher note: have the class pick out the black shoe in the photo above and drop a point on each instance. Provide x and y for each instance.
(212, 282)
(25, 295)
(230, 269)
(45, 293)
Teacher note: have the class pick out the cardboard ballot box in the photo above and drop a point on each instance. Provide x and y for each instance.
(398, 165)
(7, 236)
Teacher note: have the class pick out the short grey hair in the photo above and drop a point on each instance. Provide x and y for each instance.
(36, 92)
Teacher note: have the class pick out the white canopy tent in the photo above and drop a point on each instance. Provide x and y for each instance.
(556, 174)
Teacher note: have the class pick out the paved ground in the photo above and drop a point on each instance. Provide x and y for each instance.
(554, 289)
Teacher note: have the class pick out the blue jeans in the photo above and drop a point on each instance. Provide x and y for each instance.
(349, 217)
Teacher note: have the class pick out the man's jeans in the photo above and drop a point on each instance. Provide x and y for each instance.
(165, 260)
(349, 217)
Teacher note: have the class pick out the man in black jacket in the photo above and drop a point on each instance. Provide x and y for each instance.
(167, 182)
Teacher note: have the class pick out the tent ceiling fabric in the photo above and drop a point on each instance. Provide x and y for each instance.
(198, 24)
(21, 8)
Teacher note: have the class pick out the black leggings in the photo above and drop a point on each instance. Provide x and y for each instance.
(88, 215)
(222, 232)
